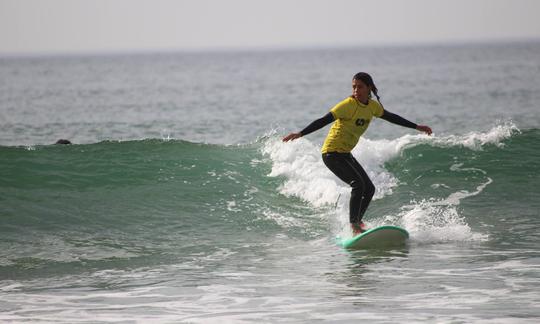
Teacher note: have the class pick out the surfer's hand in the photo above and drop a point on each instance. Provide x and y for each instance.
(291, 136)
(424, 129)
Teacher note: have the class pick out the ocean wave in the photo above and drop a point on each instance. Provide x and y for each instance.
(299, 162)
(127, 200)
(304, 176)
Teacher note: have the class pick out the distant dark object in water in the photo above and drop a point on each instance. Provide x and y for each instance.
(63, 141)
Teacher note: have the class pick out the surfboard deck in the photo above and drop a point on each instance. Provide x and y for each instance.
(378, 237)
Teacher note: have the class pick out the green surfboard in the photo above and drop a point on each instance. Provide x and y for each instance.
(378, 237)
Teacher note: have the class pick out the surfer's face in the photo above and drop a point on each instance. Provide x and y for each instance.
(360, 91)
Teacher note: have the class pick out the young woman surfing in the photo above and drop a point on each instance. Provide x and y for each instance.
(352, 117)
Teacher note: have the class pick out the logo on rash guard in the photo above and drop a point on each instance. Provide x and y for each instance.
(360, 122)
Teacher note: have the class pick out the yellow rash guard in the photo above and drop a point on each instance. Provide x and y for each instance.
(352, 118)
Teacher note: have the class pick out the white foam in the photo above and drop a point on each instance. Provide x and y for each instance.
(476, 140)
(306, 175)
(433, 221)
(455, 197)
(308, 178)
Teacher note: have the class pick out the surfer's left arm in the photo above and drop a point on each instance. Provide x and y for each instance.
(398, 120)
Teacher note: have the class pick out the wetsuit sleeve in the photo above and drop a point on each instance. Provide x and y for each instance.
(318, 124)
(396, 119)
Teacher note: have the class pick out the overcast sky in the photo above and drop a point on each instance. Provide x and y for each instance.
(58, 26)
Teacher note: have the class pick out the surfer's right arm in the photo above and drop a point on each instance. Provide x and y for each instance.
(314, 126)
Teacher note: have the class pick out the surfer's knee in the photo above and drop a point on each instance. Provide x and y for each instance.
(357, 185)
(367, 188)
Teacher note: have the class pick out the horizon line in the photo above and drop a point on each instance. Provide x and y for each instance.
(263, 48)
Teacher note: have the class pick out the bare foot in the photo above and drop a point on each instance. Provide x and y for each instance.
(358, 228)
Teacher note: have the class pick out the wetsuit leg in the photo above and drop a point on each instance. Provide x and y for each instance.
(346, 168)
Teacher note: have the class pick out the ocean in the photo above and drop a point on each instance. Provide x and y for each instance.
(178, 202)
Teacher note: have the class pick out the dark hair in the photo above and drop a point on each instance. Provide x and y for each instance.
(368, 80)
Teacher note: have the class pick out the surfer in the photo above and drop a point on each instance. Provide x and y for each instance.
(63, 141)
(351, 118)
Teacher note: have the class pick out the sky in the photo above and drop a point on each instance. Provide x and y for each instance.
(75, 26)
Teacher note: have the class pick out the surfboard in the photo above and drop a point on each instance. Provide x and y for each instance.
(378, 237)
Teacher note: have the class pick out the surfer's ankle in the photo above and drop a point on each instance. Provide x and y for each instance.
(358, 228)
